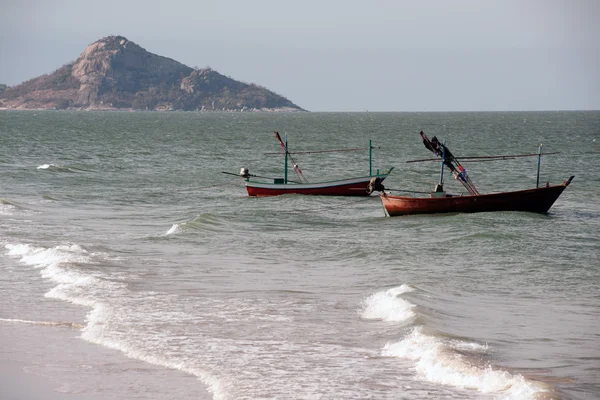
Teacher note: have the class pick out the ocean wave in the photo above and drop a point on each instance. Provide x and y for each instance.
(99, 330)
(9, 207)
(60, 168)
(43, 257)
(202, 222)
(447, 362)
(59, 264)
(175, 229)
(388, 305)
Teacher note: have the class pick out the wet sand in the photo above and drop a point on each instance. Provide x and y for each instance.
(16, 384)
(51, 362)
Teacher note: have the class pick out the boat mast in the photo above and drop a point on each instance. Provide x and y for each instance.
(537, 183)
(285, 164)
(370, 159)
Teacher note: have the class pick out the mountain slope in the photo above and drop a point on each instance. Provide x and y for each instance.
(115, 73)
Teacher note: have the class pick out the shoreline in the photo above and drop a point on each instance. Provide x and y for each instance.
(51, 362)
(159, 110)
(18, 384)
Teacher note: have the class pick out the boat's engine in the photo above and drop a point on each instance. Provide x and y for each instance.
(375, 184)
(244, 172)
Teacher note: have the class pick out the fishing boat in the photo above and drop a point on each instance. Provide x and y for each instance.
(353, 186)
(538, 199)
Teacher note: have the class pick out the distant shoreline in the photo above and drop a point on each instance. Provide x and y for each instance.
(274, 110)
(283, 111)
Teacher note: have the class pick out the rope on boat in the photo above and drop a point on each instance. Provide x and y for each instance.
(245, 174)
(326, 151)
(407, 191)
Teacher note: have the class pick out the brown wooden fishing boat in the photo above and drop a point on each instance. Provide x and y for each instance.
(538, 199)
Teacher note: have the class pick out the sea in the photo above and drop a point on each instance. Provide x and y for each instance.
(134, 266)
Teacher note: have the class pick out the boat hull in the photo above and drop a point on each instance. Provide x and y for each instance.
(538, 200)
(344, 187)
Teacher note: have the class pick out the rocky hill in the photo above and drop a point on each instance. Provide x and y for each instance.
(115, 73)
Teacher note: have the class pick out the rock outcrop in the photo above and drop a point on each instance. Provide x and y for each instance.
(115, 73)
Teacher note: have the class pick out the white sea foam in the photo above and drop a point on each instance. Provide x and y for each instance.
(56, 263)
(57, 168)
(43, 257)
(107, 317)
(176, 228)
(19, 249)
(388, 305)
(7, 209)
(468, 346)
(435, 361)
(100, 330)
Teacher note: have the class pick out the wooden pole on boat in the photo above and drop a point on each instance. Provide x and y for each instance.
(487, 158)
(443, 159)
(537, 183)
(370, 159)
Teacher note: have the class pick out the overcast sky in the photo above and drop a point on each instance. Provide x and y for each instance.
(339, 55)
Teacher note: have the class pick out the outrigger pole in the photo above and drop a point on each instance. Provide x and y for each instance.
(487, 158)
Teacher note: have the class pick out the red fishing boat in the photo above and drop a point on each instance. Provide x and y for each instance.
(538, 199)
(355, 186)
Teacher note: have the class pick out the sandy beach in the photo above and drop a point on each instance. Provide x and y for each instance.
(17, 384)
(51, 362)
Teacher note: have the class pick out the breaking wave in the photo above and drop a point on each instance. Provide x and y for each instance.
(447, 362)
(202, 222)
(443, 360)
(59, 168)
(61, 264)
(175, 229)
(8, 207)
(388, 305)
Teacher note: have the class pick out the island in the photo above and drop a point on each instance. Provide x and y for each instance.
(114, 73)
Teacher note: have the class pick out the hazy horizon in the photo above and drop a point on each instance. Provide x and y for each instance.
(341, 56)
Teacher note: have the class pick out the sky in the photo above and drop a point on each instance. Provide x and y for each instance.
(339, 55)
